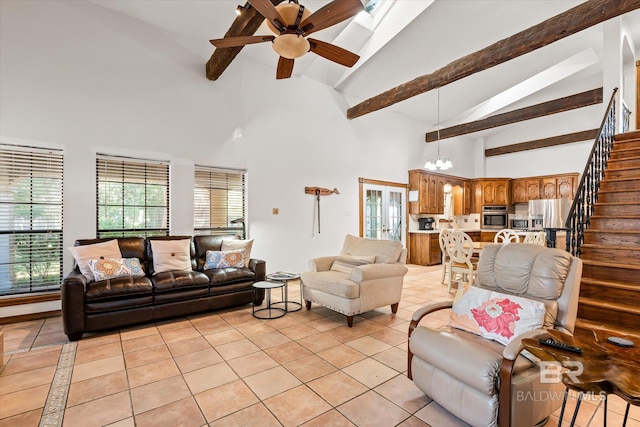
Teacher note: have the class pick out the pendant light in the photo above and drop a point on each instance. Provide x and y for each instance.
(438, 162)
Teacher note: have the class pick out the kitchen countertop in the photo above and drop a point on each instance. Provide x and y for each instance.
(469, 230)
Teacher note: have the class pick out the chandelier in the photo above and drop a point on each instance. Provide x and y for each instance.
(438, 162)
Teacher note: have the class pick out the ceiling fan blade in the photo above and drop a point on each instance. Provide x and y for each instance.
(285, 68)
(270, 13)
(240, 41)
(331, 14)
(333, 52)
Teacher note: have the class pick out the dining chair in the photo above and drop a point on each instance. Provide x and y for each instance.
(536, 237)
(506, 235)
(443, 239)
(460, 249)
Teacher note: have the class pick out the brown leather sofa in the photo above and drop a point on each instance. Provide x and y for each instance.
(89, 306)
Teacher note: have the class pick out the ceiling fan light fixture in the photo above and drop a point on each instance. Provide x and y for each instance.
(289, 13)
(290, 46)
(239, 10)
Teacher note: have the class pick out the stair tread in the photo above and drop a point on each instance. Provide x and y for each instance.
(610, 264)
(609, 283)
(600, 326)
(627, 136)
(616, 203)
(602, 246)
(615, 216)
(612, 231)
(618, 306)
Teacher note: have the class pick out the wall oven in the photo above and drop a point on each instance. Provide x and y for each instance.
(494, 217)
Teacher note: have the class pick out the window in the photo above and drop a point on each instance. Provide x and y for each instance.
(30, 219)
(219, 201)
(133, 197)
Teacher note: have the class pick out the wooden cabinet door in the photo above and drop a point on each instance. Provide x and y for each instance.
(566, 186)
(435, 254)
(488, 236)
(488, 193)
(519, 191)
(415, 251)
(533, 189)
(476, 202)
(423, 195)
(439, 205)
(475, 235)
(549, 188)
(414, 185)
(467, 197)
(433, 194)
(502, 192)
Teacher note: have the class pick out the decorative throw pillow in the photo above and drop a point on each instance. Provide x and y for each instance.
(110, 268)
(84, 253)
(228, 245)
(224, 259)
(171, 255)
(346, 263)
(494, 315)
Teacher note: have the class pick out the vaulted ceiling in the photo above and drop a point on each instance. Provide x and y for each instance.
(403, 40)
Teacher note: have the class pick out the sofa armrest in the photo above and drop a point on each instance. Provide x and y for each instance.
(259, 267)
(321, 264)
(72, 291)
(377, 271)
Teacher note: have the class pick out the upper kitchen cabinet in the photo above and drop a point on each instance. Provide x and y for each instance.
(533, 189)
(430, 188)
(519, 191)
(496, 192)
(544, 187)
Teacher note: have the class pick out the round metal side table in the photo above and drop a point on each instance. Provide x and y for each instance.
(284, 278)
(269, 306)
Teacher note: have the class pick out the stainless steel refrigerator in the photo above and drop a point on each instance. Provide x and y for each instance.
(548, 213)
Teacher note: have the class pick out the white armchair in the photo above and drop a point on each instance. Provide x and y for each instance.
(366, 275)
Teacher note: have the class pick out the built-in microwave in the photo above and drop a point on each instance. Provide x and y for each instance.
(520, 224)
(494, 217)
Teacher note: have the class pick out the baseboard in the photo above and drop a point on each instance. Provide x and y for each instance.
(29, 316)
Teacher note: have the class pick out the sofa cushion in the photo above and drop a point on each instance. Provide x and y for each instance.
(177, 280)
(226, 276)
(82, 254)
(346, 263)
(121, 287)
(331, 282)
(384, 250)
(224, 259)
(493, 315)
(171, 255)
(231, 244)
(110, 268)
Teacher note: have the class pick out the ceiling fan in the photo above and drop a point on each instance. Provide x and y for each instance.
(292, 23)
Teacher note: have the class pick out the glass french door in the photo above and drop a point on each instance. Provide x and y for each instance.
(383, 212)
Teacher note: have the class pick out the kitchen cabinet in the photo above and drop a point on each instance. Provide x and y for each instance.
(467, 197)
(544, 187)
(424, 249)
(488, 236)
(430, 188)
(533, 188)
(519, 191)
(496, 192)
(476, 196)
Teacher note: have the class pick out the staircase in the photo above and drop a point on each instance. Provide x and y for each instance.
(610, 288)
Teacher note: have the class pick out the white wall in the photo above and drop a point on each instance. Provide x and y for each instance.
(68, 80)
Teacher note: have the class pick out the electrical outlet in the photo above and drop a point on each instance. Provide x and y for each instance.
(276, 211)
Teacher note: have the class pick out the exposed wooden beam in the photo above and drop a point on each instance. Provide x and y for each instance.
(584, 135)
(584, 99)
(245, 24)
(574, 20)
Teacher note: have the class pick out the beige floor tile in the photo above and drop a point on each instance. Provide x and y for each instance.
(414, 421)
(254, 329)
(372, 410)
(98, 352)
(181, 334)
(23, 401)
(97, 368)
(319, 342)
(309, 368)
(25, 419)
(341, 356)
(211, 325)
(49, 339)
(96, 339)
(287, 352)
(148, 355)
(11, 346)
(390, 336)
(127, 422)
(296, 406)
(138, 332)
(239, 318)
(270, 339)
(184, 413)
(187, 346)
(282, 322)
(23, 364)
(224, 337)
(25, 380)
(95, 388)
(142, 343)
(271, 382)
(37, 352)
(404, 393)
(254, 414)
(159, 393)
(173, 324)
(332, 418)
(395, 358)
(252, 363)
(370, 372)
(436, 416)
(236, 349)
(323, 324)
(199, 359)
(344, 334)
(299, 331)
(209, 377)
(368, 345)
(337, 388)
(152, 372)
(99, 412)
(226, 399)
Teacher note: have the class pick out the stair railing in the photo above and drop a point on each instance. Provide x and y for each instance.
(579, 218)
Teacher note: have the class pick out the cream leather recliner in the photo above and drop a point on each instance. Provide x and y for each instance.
(367, 274)
(481, 381)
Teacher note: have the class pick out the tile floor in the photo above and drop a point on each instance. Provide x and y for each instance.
(229, 369)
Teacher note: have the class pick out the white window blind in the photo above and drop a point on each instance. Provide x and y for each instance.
(132, 197)
(30, 219)
(219, 201)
